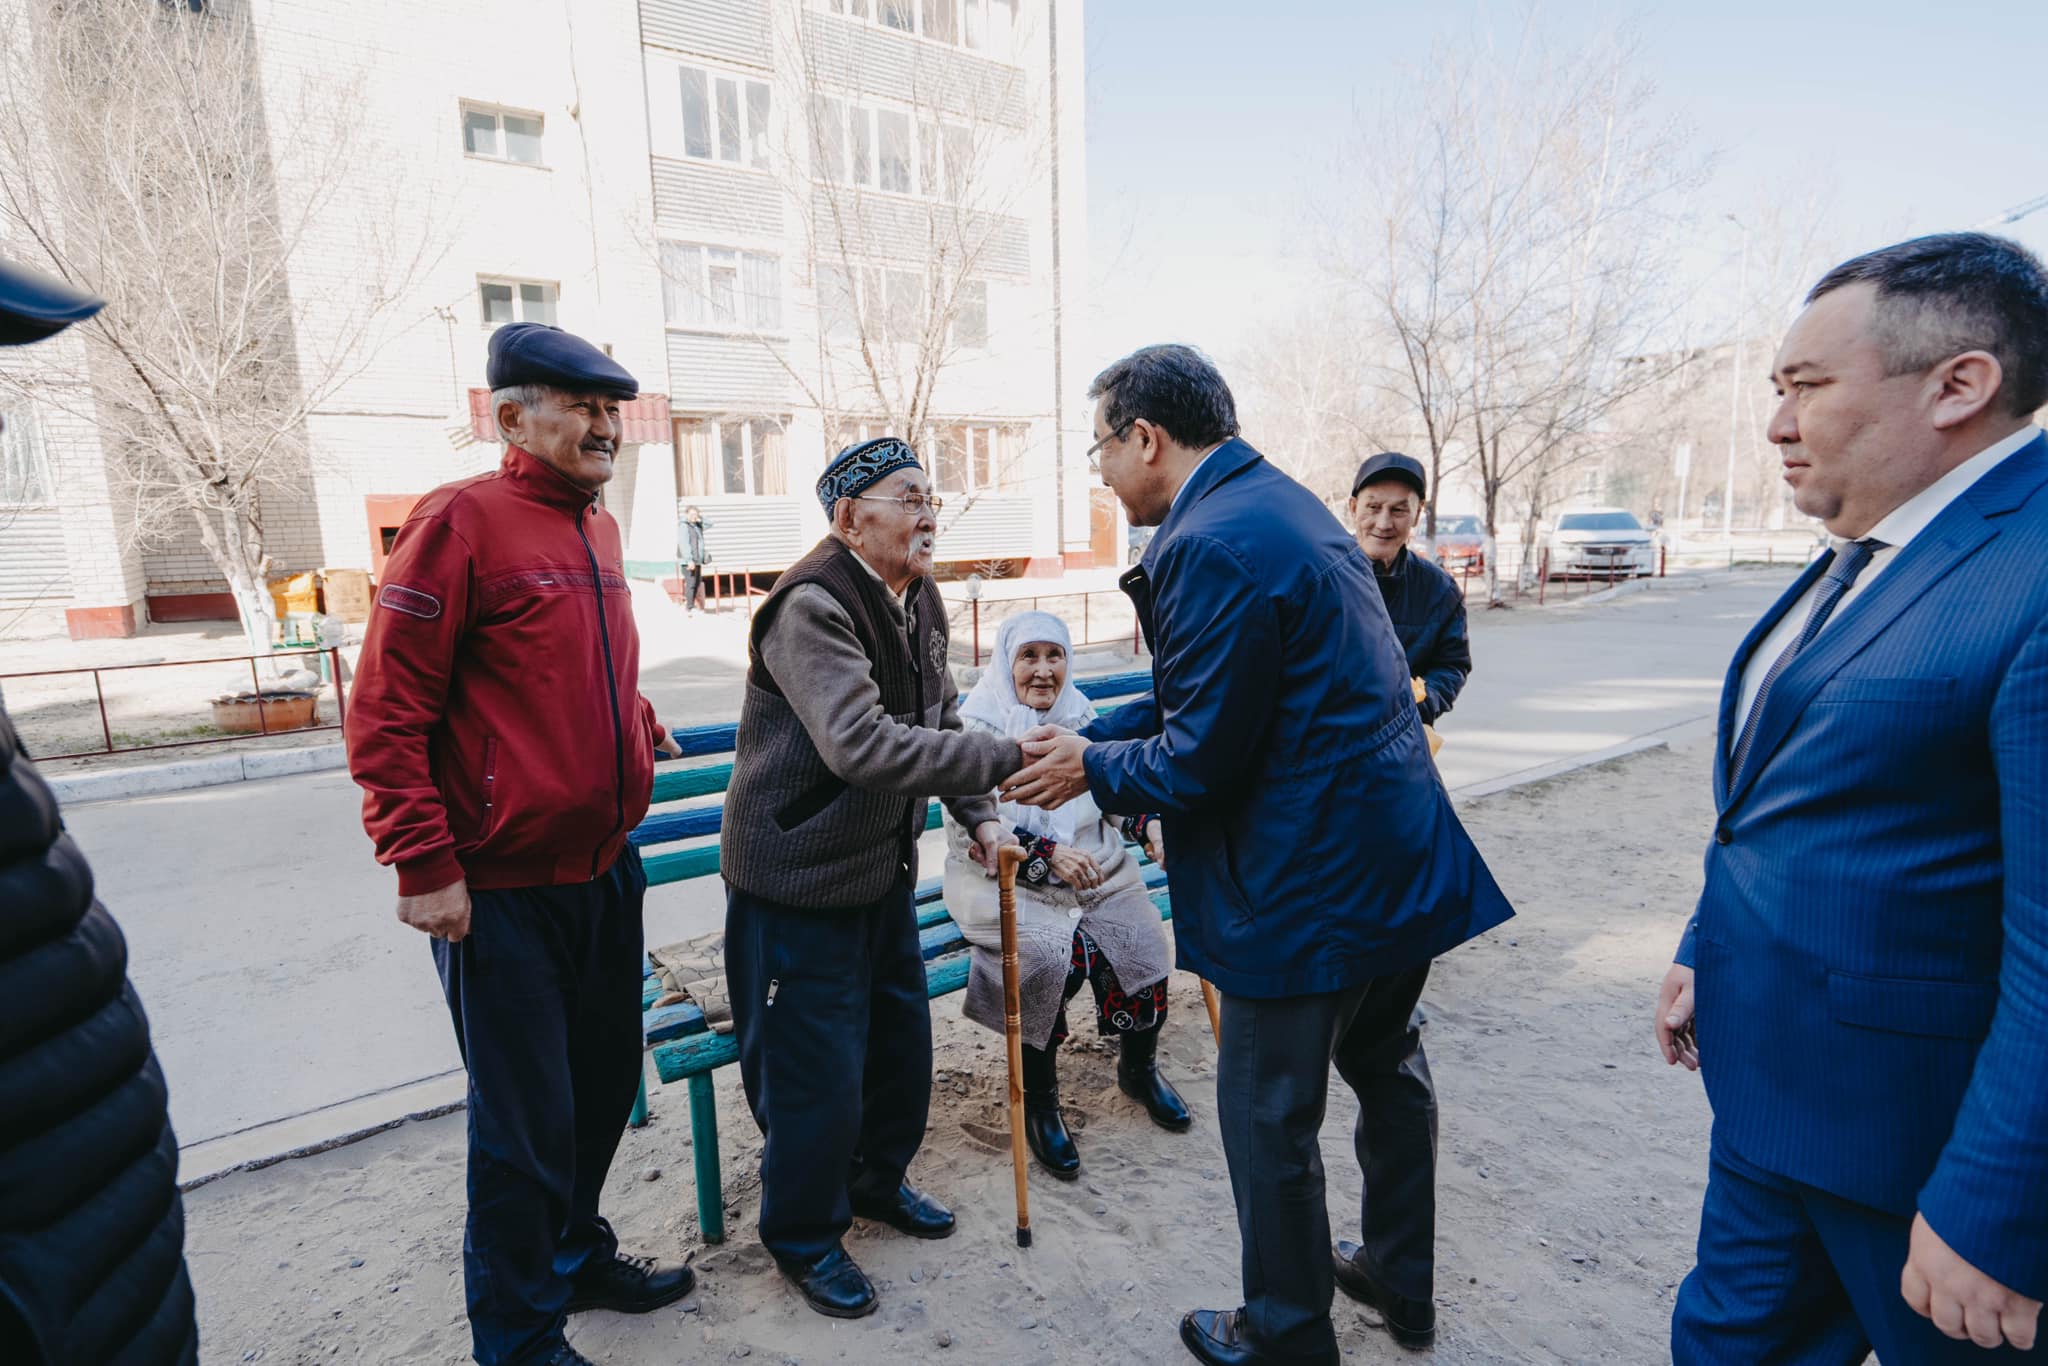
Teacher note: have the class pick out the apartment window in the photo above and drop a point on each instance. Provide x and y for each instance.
(25, 478)
(517, 301)
(501, 134)
(725, 118)
(980, 25)
(721, 455)
(887, 304)
(895, 150)
(975, 457)
(720, 287)
(970, 315)
(828, 138)
(988, 25)
(886, 149)
(903, 305)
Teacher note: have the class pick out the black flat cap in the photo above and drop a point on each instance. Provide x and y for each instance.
(534, 353)
(34, 305)
(1392, 465)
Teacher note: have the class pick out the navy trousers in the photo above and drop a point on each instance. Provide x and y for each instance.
(1272, 1087)
(545, 995)
(1790, 1275)
(835, 1036)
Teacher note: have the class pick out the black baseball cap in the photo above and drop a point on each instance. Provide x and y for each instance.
(34, 305)
(1392, 465)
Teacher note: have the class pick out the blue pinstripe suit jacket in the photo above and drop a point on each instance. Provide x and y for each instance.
(1871, 945)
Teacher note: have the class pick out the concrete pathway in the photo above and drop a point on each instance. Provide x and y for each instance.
(281, 988)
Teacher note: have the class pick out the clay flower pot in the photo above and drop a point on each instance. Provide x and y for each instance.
(251, 714)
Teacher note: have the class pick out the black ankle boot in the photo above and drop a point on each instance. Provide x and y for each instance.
(1045, 1129)
(1137, 1076)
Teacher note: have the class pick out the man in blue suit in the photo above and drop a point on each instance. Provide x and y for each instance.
(1869, 960)
(1317, 866)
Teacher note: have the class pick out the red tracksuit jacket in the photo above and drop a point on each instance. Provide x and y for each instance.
(496, 725)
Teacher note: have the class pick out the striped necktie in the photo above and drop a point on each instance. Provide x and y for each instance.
(1850, 561)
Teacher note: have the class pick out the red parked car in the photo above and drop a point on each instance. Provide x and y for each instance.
(1461, 543)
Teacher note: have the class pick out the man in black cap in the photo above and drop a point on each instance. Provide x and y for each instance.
(92, 1229)
(849, 727)
(504, 751)
(1424, 601)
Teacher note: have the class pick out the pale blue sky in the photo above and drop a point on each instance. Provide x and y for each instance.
(1208, 119)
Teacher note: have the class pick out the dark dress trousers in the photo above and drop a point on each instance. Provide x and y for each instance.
(545, 995)
(1318, 867)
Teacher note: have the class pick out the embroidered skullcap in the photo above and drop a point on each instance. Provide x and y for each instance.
(856, 469)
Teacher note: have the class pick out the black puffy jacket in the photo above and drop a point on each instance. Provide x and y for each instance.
(92, 1230)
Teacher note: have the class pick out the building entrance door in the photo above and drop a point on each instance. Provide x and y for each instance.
(1102, 528)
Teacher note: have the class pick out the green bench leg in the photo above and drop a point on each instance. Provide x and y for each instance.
(704, 1142)
(638, 1119)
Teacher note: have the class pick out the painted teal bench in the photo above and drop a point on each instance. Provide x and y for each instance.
(685, 1049)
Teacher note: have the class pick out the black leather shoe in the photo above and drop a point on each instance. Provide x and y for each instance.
(1045, 1128)
(629, 1285)
(1221, 1338)
(1137, 1076)
(833, 1284)
(1412, 1323)
(565, 1355)
(906, 1209)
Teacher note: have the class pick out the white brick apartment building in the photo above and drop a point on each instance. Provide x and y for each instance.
(751, 203)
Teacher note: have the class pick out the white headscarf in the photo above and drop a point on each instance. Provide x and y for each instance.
(994, 703)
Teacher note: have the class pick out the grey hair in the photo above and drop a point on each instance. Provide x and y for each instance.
(527, 396)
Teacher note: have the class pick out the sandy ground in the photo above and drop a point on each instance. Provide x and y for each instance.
(1571, 1167)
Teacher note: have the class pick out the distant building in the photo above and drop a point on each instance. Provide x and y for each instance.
(741, 199)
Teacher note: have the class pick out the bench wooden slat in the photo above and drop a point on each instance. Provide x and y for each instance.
(681, 865)
(674, 784)
(1115, 685)
(701, 740)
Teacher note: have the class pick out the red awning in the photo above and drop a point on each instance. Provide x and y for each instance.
(646, 418)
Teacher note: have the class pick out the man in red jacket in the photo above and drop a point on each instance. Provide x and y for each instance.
(504, 751)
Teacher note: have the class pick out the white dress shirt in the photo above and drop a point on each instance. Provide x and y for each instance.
(1898, 528)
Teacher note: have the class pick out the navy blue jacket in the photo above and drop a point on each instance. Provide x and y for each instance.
(1312, 845)
(1871, 945)
(1428, 611)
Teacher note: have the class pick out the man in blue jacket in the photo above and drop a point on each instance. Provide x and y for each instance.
(1317, 866)
(1870, 952)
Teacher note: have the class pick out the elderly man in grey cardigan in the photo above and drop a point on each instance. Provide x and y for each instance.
(848, 728)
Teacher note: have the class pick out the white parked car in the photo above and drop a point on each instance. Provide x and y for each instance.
(1600, 542)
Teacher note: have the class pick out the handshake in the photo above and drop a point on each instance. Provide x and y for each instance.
(1052, 776)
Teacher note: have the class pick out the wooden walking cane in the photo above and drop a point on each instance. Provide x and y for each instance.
(1007, 860)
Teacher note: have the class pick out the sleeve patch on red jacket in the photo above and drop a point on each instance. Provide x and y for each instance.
(410, 601)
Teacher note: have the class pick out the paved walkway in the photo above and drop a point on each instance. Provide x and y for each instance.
(279, 983)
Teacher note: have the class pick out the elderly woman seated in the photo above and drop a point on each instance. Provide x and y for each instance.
(1083, 914)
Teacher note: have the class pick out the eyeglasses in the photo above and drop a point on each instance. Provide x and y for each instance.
(914, 504)
(1094, 465)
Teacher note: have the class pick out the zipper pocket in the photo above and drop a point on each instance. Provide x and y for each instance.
(774, 985)
(489, 816)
